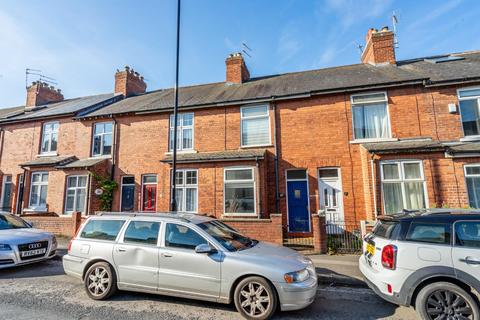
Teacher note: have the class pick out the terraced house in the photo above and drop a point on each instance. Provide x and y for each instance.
(350, 142)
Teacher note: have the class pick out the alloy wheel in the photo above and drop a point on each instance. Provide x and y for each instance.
(448, 305)
(98, 281)
(254, 299)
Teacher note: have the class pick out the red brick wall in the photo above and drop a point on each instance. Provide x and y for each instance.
(269, 230)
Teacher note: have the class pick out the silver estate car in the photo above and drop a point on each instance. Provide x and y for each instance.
(189, 256)
(21, 244)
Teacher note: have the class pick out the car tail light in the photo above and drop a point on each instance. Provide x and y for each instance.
(74, 237)
(389, 257)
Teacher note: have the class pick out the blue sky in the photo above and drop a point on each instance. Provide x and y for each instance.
(81, 43)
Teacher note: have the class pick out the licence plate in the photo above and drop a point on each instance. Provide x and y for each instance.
(371, 249)
(35, 252)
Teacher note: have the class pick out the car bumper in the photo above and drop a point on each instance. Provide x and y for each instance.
(11, 258)
(73, 266)
(295, 296)
(378, 284)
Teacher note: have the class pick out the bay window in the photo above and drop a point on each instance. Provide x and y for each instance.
(186, 192)
(403, 186)
(472, 177)
(102, 139)
(469, 100)
(76, 195)
(184, 131)
(255, 125)
(49, 137)
(370, 116)
(239, 191)
(38, 190)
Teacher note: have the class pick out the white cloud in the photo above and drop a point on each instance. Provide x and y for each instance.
(354, 11)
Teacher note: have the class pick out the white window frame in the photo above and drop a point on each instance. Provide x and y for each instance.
(469, 175)
(253, 180)
(385, 100)
(37, 206)
(126, 184)
(148, 183)
(50, 134)
(180, 129)
(465, 137)
(4, 183)
(76, 188)
(242, 118)
(401, 179)
(102, 138)
(185, 186)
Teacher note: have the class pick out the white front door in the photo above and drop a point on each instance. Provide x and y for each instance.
(331, 195)
(466, 253)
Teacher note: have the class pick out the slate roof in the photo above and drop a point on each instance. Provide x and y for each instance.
(81, 163)
(470, 147)
(230, 155)
(328, 80)
(422, 145)
(76, 106)
(48, 161)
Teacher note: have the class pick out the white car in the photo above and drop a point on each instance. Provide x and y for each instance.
(429, 260)
(21, 244)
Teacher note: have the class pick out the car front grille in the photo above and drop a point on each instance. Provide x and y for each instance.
(5, 261)
(27, 247)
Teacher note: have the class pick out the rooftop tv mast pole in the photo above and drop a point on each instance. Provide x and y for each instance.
(173, 201)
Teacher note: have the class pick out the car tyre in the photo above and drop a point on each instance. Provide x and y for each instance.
(255, 298)
(448, 300)
(100, 281)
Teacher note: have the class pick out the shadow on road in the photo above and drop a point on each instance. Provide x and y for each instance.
(52, 267)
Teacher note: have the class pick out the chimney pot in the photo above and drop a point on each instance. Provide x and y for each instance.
(237, 71)
(129, 82)
(40, 93)
(379, 47)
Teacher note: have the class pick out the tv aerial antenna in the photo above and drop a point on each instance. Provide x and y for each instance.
(246, 50)
(37, 75)
(394, 23)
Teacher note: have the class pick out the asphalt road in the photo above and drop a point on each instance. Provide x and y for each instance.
(43, 291)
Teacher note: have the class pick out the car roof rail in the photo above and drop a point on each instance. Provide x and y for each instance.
(169, 215)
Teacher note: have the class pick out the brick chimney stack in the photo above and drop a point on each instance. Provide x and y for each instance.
(379, 47)
(237, 71)
(40, 93)
(129, 82)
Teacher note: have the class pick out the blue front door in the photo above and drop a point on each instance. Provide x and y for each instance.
(297, 193)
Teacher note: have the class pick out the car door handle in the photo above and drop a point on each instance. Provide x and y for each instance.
(470, 260)
(166, 255)
(121, 249)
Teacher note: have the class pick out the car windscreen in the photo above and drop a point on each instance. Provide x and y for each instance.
(226, 236)
(387, 229)
(11, 222)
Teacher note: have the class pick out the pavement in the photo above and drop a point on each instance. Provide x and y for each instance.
(339, 270)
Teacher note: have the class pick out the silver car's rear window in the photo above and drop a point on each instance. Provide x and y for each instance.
(102, 229)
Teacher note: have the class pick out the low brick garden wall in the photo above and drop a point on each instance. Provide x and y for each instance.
(61, 226)
(269, 230)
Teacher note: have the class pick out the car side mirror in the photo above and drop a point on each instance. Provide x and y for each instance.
(205, 248)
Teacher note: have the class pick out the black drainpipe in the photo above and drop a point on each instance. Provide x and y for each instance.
(277, 183)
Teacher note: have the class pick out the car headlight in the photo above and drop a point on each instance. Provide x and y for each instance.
(5, 247)
(297, 276)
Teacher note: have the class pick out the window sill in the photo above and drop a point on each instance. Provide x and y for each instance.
(34, 210)
(257, 146)
(240, 215)
(169, 153)
(470, 138)
(102, 157)
(359, 141)
(47, 154)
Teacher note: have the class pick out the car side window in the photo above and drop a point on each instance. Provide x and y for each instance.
(178, 236)
(142, 232)
(436, 233)
(102, 229)
(467, 234)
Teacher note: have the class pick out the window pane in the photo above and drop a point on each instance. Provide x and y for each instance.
(170, 139)
(179, 179)
(431, 233)
(69, 203)
(191, 177)
(108, 127)
(473, 170)
(328, 173)
(98, 128)
(179, 198)
(470, 117)
(71, 182)
(128, 180)
(178, 236)
(46, 142)
(191, 200)
(390, 171)
(412, 170)
(414, 195)
(36, 177)
(254, 111)
(392, 197)
(255, 132)
(187, 119)
(365, 98)
(187, 139)
(128, 197)
(297, 174)
(473, 187)
(7, 194)
(239, 198)
(107, 144)
(242, 174)
(97, 141)
(80, 205)
(43, 195)
(150, 179)
(371, 121)
(142, 232)
(102, 229)
(53, 146)
(34, 195)
(469, 93)
(82, 181)
(467, 234)
(44, 177)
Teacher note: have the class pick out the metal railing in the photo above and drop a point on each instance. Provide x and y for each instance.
(343, 237)
(298, 241)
